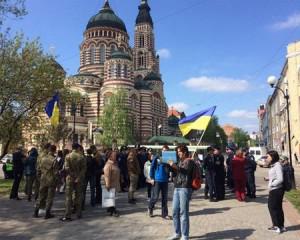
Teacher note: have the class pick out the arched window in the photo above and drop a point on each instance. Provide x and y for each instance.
(102, 53)
(119, 70)
(141, 41)
(81, 110)
(83, 57)
(92, 54)
(111, 71)
(112, 49)
(125, 71)
(140, 59)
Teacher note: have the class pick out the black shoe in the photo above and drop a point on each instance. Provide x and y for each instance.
(17, 198)
(205, 196)
(65, 219)
(29, 199)
(48, 215)
(36, 213)
(150, 212)
(116, 214)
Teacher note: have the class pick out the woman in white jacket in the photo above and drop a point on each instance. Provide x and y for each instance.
(276, 192)
(149, 181)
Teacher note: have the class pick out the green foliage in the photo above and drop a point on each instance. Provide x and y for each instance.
(294, 197)
(8, 8)
(28, 79)
(240, 137)
(115, 121)
(214, 134)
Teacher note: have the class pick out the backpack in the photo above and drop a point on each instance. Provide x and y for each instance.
(287, 177)
(196, 179)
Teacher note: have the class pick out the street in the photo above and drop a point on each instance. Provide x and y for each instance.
(227, 219)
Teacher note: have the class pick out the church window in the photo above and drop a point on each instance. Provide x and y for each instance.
(141, 41)
(102, 53)
(119, 70)
(81, 110)
(92, 54)
(112, 48)
(140, 59)
(125, 71)
(110, 71)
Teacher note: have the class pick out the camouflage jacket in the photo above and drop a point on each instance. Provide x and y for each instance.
(75, 167)
(49, 170)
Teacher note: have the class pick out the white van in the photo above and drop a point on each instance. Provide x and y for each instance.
(258, 152)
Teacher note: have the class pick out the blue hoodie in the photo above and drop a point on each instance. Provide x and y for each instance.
(159, 171)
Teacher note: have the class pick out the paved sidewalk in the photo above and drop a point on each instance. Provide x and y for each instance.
(227, 219)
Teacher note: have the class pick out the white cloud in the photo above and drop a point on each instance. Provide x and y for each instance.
(244, 114)
(164, 53)
(179, 106)
(216, 84)
(251, 128)
(293, 21)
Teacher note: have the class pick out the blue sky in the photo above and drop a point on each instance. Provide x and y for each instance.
(213, 52)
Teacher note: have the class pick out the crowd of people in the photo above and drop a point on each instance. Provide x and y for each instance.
(70, 172)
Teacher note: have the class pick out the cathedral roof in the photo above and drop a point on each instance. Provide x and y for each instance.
(106, 18)
(152, 76)
(144, 14)
(173, 120)
(119, 54)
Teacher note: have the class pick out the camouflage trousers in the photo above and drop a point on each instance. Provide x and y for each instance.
(71, 202)
(46, 195)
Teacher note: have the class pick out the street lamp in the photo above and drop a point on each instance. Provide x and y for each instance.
(73, 112)
(159, 127)
(272, 80)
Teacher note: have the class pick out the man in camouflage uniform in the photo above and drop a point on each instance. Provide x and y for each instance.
(49, 173)
(75, 167)
(41, 156)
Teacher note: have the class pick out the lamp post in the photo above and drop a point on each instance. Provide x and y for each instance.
(73, 112)
(159, 128)
(272, 80)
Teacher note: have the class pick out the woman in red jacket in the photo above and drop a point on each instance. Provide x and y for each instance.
(239, 176)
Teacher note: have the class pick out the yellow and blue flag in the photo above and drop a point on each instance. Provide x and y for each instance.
(52, 110)
(197, 121)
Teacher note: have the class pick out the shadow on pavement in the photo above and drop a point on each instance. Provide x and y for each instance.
(293, 228)
(237, 234)
(209, 211)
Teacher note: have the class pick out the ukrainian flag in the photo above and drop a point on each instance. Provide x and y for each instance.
(52, 110)
(197, 121)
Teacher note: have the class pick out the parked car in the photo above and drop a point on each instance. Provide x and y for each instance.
(258, 152)
(262, 161)
(6, 157)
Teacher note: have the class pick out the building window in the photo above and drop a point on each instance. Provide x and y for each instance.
(119, 70)
(92, 54)
(81, 110)
(141, 41)
(112, 49)
(102, 53)
(140, 59)
(125, 71)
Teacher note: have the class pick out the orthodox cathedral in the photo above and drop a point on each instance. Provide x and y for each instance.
(109, 63)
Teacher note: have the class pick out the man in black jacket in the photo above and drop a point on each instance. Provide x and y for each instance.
(210, 174)
(250, 168)
(18, 162)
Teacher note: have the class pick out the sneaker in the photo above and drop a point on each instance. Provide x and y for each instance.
(273, 228)
(283, 229)
(167, 217)
(174, 237)
(278, 230)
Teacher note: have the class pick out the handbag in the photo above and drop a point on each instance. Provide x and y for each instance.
(108, 197)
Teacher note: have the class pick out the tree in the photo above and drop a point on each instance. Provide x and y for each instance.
(240, 137)
(15, 8)
(28, 79)
(115, 120)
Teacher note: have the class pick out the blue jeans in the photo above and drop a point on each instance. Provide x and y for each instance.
(181, 202)
(163, 188)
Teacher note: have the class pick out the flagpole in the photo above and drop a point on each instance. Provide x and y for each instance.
(199, 143)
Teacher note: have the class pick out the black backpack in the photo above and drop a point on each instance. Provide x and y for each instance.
(287, 177)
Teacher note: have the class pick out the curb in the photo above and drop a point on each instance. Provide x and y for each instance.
(292, 214)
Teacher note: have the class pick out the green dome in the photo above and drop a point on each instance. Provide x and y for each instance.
(106, 18)
(173, 120)
(152, 77)
(119, 54)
